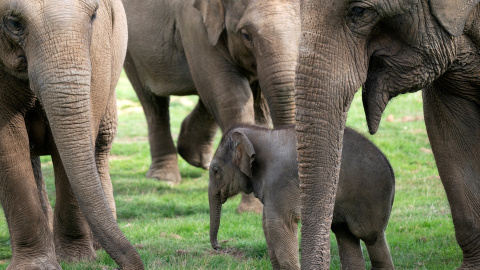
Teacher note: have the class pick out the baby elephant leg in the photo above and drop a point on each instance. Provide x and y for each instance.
(379, 254)
(349, 248)
(282, 242)
(271, 252)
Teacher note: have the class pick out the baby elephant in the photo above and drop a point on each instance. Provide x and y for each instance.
(264, 161)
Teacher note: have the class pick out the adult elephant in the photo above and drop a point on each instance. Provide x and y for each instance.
(390, 47)
(221, 50)
(60, 61)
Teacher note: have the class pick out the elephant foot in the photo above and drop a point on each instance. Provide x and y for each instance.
(250, 204)
(169, 175)
(37, 263)
(197, 134)
(200, 156)
(73, 251)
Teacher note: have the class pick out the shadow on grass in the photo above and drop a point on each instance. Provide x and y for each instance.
(192, 173)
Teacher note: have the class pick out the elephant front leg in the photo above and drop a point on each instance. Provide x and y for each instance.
(453, 127)
(282, 242)
(164, 165)
(196, 137)
(72, 235)
(30, 234)
(164, 154)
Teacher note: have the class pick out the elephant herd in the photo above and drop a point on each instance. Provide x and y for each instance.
(265, 62)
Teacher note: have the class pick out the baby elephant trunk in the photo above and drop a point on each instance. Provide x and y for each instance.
(215, 204)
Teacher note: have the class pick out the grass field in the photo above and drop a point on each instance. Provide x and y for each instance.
(169, 225)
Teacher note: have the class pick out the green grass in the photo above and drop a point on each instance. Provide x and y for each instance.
(169, 225)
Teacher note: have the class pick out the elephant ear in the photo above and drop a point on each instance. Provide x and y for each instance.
(243, 153)
(213, 14)
(452, 14)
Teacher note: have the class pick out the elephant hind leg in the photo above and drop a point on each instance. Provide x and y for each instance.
(197, 135)
(380, 254)
(164, 165)
(349, 249)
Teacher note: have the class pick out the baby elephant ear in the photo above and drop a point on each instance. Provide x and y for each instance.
(213, 14)
(452, 14)
(243, 154)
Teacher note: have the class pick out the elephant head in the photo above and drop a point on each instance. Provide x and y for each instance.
(230, 173)
(390, 47)
(262, 39)
(67, 54)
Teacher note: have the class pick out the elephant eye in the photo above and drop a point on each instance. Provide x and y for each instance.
(216, 172)
(246, 36)
(361, 17)
(357, 11)
(13, 25)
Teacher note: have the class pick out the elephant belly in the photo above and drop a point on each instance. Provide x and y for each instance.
(172, 88)
(165, 77)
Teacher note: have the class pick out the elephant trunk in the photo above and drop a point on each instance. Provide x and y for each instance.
(326, 82)
(215, 205)
(60, 75)
(278, 53)
(278, 84)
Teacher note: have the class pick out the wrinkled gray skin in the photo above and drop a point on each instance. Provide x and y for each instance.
(263, 161)
(221, 50)
(390, 47)
(59, 63)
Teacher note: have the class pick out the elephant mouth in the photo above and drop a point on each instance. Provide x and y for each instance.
(23, 65)
(18, 67)
(385, 81)
(374, 96)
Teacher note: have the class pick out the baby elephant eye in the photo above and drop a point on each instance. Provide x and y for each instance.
(14, 25)
(246, 35)
(216, 172)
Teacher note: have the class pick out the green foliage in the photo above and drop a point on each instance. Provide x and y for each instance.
(170, 225)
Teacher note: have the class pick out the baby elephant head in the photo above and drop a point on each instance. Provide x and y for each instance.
(230, 173)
